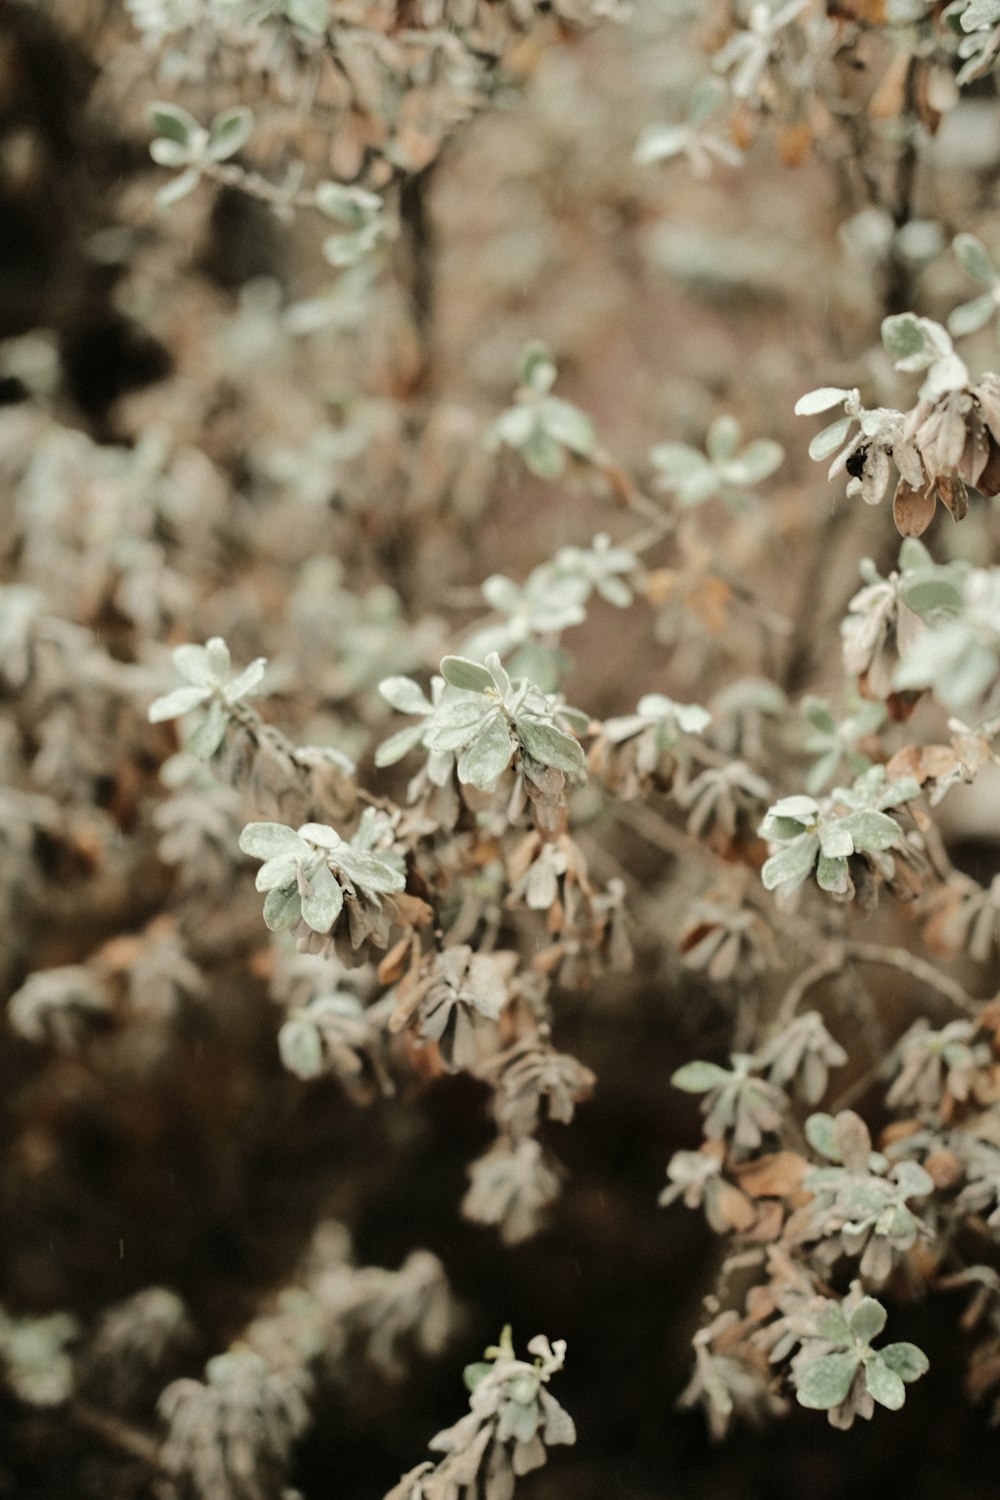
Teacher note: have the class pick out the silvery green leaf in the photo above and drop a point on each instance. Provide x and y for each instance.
(969, 317)
(908, 1362)
(181, 701)
(498, 674)
(833, 875)
(217, 655)
(945, 375)
(228, 132)
(244, 685)
(723, 438)
(826, 1382)
(192, 662)
(758, 460)
(543, 455)
(537, 367)
(832, 1325)
(823, 399)
(830, 439)
(300, 1047)
(173, 122)
(913, 1180)
(679, 461)
(660, 143)
(321, 834)
(821, 1133)
(488, 756)
(210, 733)
(368, 870)
(616, 591)
(461, 723)
(699, 1077)
(278, 873)
(282, 908)
(549, 745)
(168, 153)
(559, 1426)
(569, 426)
(575, 717)
(268, 840)
(868, 1319)
(883, 1384)
(397, 745)
(351, 206)
(802, 809)
(515, 425)
(404, 695)
(871, 830)
(835, 840)
(471, 676)
(312, 15)
(974, 259)
(173, 192)
(791, 865)
(616, 730)
(321, 905)
(905, 339)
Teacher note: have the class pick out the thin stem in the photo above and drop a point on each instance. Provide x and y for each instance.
(917, 968)
(117, 1434)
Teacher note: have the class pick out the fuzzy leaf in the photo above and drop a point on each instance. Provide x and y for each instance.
(488, 756)
(471, 676)
(699, 1077)
(883, 1384)
(549, 745)
(826, 1382)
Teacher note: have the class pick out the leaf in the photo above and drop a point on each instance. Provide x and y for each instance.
(830, 439)
(883, 1384)
(868, 1319)
(758, 460)
(826, 1382)
(485, 760)
(699, 1077)
(210, 733)
(912, 509)
(905, 340)
(172, 705)
(368, 870)
(456, 724)
(821, 1133)
(300, 1047)
(969, 317)
(471, 676)
(172, 122)
(974, 259)
(194, 665)
(179, 188)
(322, 904)
(228, 132)
(268, 840)
(549, 745)
(792, 864)
(277, 873)
(908, 1362)
(871, 830)
(404, 695)
(244, 685)
(569, 426)
(397, 745)
(282, 908)
(823, 399)
(311, 15)
(321, 834)
(833, 875)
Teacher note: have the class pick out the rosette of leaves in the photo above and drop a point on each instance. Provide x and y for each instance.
(61, 1006)
(512, 1186)
(306, 873)
(362, 217)
(532, 1074)
(959, 656)
(836, 742)
(884, 618)
(739, 1105)
(860, 443)
(838, 1371)
(513, 1418)
(210, 682)
(936, 1067)
(334, 1033)
(748, 52)
(653, 741)
(456, 1003)
(971, 924)
(801, 1054)
(725, 797)
(724, 939)
(546, 431)
(605, 568)
(805, 834)
(975, 260)
(725, 471)
(696, 1178)
(230, 1437)
(181, 142)
(488, 720)
(688, 138)
(542, 607)
(860, 1205)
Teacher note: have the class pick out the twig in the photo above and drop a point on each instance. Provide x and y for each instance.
(832, 962)
(118, 1434)
(917, 968)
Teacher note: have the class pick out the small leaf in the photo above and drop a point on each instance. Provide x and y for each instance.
(268, 840)
(322, 904)
(821, 1133)
(368, 871)
(792, 864)
(404, 695)
(488, 756)
(397, 745)
(300, 1047)
(172, 705)
(908, 1362)
(830, 439)
(471, 676)
(905, 340)
(826, 1382)
(549, 745)
(868, 1319)
(699, 1077)
(969, 317)
(228, 132)
(883, 1384)
(282, 908)
(823, 399)
(172, 122)
(974, 260)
